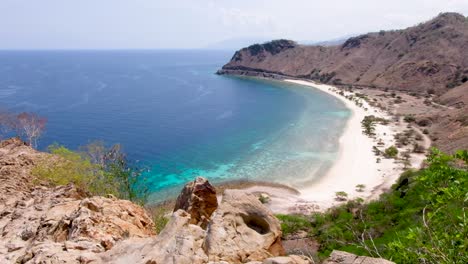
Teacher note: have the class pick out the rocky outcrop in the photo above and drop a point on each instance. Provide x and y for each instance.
(198, 198)
(58, 224)
(341, 257)
(240, 230)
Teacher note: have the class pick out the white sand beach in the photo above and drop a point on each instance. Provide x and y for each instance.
(356, 163)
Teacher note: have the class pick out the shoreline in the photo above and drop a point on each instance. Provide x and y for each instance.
(356, 163)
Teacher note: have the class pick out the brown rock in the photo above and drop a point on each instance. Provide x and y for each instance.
(198, 198)
(56, 225)
(242, 229)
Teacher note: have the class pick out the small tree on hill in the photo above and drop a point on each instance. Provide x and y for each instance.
(30, 126)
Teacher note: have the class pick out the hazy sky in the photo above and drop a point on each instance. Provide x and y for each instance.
(149, 24)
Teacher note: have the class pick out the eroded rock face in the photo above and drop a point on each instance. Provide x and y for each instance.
(198, 198)
(179, 242)
(341, 257)
(57, 225)
(242, 230)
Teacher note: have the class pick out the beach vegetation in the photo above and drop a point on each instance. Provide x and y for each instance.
(418, 148)
(360, 187)
(422, 219)
(368, 125)
(391, 152)
(341, 196)
(292, 224)
(376, 150)
(409, 118)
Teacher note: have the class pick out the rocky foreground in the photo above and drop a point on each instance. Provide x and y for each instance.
(40, 224)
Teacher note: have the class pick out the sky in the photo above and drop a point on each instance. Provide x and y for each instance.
(192, 24)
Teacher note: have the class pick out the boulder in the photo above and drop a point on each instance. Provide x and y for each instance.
(198, 198)
(341, 257)
(179, 242)
(242, 230)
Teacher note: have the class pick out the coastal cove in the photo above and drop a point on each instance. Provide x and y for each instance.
(356, 163)
(175, 117)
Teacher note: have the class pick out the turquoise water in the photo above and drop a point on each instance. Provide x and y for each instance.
(174, 116)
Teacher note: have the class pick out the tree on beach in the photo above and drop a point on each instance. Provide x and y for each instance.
(360, 187)
(30, 126)
(368, 124)
(391, 152)
(341, 196)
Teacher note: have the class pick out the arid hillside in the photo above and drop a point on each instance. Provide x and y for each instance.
(432, 56)
(429, 60)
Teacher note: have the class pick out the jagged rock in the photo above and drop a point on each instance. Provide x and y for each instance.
(179, 242)
(341, 257)
(242, 230)
(57, 225)
(198, 198)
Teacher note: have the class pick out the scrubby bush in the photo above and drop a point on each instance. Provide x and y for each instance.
(97, 171)
(291, 224)
(391, 152)
(341, 196)
(360, 187)
(409, 118)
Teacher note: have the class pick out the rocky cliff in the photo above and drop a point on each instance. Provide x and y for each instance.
(430, 56)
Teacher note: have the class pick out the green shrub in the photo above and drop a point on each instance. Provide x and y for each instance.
(97, 171)
(341, 196)
(72, 168)
(291, 224)
(160, 219)
(391, 152)
(360, 187)
(422, 219)
(409, 118)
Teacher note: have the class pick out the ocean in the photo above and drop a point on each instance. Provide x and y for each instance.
(175, 116)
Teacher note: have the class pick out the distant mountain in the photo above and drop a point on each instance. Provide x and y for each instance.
(330, 42)
(234, 43)
(430, 56)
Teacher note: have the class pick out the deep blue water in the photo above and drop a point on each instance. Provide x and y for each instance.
(174, 115)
